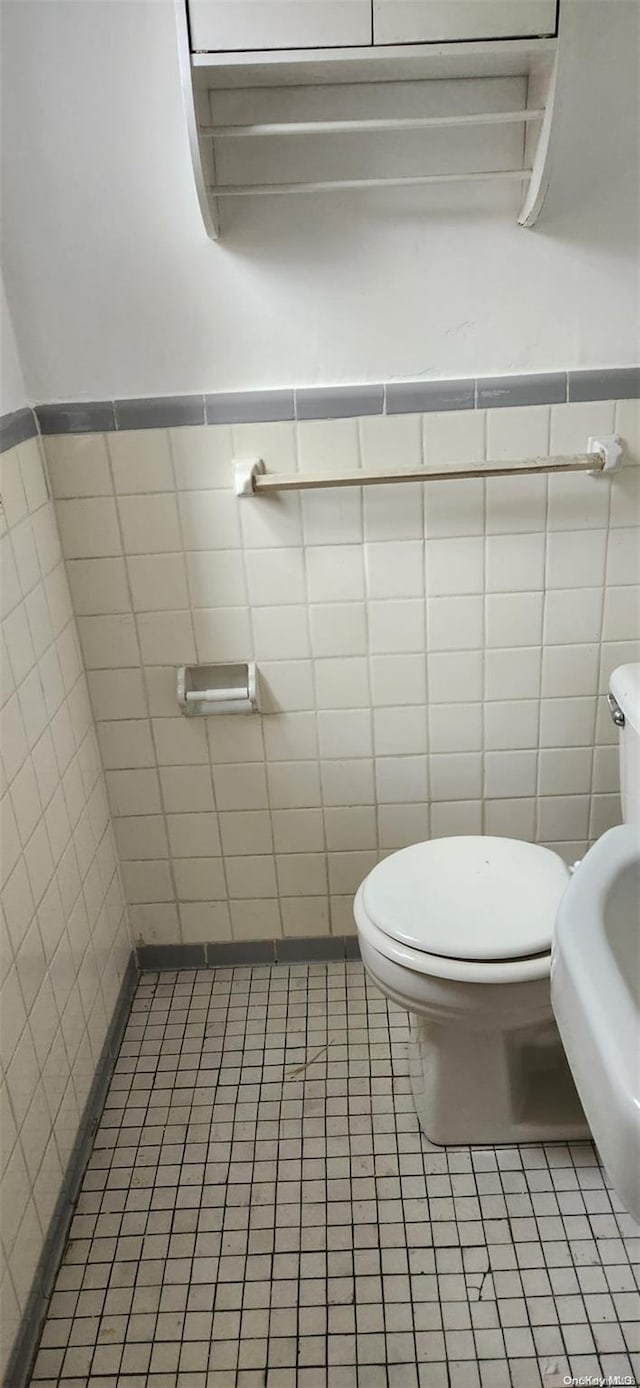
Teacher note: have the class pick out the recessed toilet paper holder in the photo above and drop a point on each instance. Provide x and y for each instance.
(206, 689)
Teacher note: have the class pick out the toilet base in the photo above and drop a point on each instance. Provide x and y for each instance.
(488, 1086)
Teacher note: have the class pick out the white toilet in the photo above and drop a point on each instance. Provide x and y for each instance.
(458, 931)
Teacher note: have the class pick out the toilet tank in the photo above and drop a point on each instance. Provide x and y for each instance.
(624, 686)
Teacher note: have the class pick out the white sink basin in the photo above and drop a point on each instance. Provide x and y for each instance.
(595, 994)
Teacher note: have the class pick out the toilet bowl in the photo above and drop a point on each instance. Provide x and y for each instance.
(458, 932)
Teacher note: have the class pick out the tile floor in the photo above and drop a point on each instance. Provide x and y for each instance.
(261, 1211)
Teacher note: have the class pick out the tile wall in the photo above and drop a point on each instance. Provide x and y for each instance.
(63, 933)
(432, 657)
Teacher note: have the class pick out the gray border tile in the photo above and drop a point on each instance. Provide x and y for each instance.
(622, 384)
(338, 402)
(241, 952)
(171, 957)
(352, 946)
(495, 392)
(160, 412)
(26, 1344)
(301, 948)
(249, 407)
(418, 397)
(83, 417)
(17, 427)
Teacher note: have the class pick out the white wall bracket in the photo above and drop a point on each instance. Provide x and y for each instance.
(609, 448)
(244, 475)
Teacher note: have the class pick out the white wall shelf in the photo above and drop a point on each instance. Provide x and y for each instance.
(359, 119)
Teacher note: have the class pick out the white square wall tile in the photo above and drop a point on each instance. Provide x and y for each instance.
(301, 873)
(400, 731)
(623, 557)
(346, 733)
(286, 685)
(512, 725)
(210, 520)
(515, 563)
(396, 626)
(147, 882)
(572, 617)
(12, 488)
(280, 633)
(401, 825)
(578, 501)
(455, 776)
(241, 786)
(390, 443)
(347, 782)
(398, 679)
(255, 920)
(199, 879)
(454, 623)
(451, 817)
(514, 434)
(141, 460)
(141, 836)
(328, 445)
(89, 527)
(568, 670)
(295, 785)
(126, 744)
(454, 508)
(455, 567)
(202, 457)
(78, 465)
(621, 617)
(149, 524)
(348, 870)
(338, 629)
(290, 737)
(511, 819)
(562, 817)
(242, 831)
(401, 780)
(516, 505)
(510, 775)
(235, 739)
(395, 569)
(350, 827)
(393, 512)
(455, 727)
(567, 722)
(454, 674)
(275, 576)
(223, 633)
(454, 437)
(513, 674)
(514, 619)
(305, 915)
(158, 582)
(335, 573)
(274, 520)
(342, 682)
(166, 638)
(251, 877)
(216, 579)
(332, 517)
(186, 789)
(575, 558)
(98, 586)
(297, 831)
(133, 792)
(565, 770)
(180, 741)
(204, 922)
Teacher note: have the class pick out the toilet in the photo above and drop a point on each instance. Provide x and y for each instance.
(458, 932)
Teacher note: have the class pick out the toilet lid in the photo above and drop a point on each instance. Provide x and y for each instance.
(468, 898)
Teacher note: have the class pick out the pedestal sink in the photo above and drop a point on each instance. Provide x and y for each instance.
(595, 994)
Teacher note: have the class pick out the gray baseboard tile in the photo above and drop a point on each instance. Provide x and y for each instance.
(235, 953)
(17, 427)
(27, 1340)
(622, 384)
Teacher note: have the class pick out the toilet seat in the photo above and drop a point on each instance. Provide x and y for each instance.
(477, 900)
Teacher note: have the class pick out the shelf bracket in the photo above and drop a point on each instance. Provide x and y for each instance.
(609, 448)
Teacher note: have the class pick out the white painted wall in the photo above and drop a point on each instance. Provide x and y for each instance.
(116, 291)
(13, 391)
